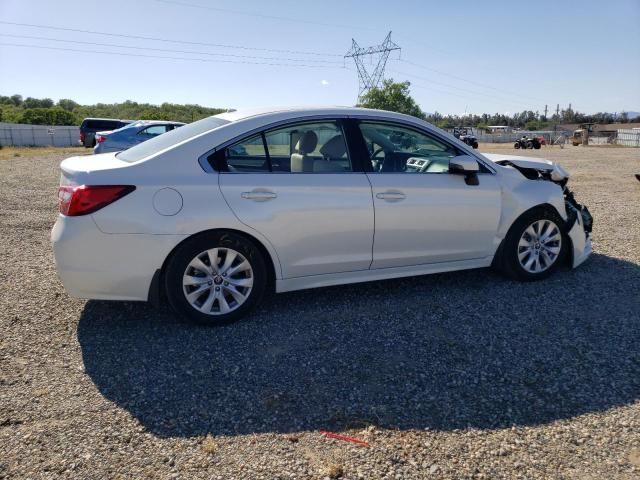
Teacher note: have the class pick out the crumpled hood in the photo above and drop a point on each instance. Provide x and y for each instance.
(541, 164)
(524, 162)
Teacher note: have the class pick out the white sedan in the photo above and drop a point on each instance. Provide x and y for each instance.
(213, 215)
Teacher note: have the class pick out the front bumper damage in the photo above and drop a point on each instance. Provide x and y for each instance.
(579, 220)
(579, 225)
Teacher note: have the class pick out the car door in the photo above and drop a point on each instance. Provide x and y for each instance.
(298, 187)
(423, 213)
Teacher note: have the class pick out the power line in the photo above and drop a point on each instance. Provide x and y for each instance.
(158, 39)
(463, 89)
(432, 48)
(167, 57)
(190, 52)
(473, 82)
(291, 20)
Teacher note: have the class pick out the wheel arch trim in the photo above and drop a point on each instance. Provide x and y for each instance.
(156, 292)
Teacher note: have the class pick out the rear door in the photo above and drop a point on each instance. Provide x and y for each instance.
(298, 186)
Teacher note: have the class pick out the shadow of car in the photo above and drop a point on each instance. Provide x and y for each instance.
(446, 351)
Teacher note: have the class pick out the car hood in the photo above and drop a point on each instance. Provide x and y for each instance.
(528, 163)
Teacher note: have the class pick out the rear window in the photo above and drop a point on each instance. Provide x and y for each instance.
(161, 142)
(102, 124)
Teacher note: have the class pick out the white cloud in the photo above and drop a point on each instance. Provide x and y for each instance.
(324, 82)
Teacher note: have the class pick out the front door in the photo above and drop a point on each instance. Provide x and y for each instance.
(297, 186)
(424, 214)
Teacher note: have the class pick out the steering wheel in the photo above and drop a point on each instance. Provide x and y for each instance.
(377, 162)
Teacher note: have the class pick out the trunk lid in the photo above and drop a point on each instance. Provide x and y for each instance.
(90, 169)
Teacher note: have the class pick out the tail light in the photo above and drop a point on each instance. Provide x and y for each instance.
(100, 138)
(81, 136)
(74, 201)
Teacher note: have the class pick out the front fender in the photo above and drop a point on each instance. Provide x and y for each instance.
(520, 194)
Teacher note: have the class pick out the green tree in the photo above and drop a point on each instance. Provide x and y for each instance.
(393, 97)
(67, 104)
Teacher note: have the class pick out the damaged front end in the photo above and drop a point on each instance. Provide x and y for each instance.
(579, 221)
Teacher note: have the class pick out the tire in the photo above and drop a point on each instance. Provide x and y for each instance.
(512, 252)
(529, 145)
(248, 286)
(516, 145)
(537, 145)
(475, 145)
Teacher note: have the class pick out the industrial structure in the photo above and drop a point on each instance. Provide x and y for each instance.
(378, 56)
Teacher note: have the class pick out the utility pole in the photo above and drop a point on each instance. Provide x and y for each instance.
(366, 80)
(545, 112)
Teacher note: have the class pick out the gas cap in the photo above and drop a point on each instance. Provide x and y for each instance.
(167, 201)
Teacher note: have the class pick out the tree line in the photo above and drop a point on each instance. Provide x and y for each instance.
(396, 97)
(44, 111)
(393, 96)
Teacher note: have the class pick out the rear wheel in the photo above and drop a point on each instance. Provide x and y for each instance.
(216, 279)
(534, 246)
(474, 144)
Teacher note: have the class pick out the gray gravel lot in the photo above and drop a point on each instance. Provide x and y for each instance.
(461, 375)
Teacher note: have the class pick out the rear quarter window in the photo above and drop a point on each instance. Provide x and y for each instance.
(169, 139)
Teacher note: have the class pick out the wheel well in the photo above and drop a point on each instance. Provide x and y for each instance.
(156, 290)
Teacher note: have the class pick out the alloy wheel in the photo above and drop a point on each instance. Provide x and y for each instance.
(539, 246)
(217, 281)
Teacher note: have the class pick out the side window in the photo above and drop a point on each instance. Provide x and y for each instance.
(245, 156)
(397, 149)
(308, 148)
(153, 131)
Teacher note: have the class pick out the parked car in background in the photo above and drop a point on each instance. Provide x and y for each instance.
(90, 126)
(215, 214)
(132, 134)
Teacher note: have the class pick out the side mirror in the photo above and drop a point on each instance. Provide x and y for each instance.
(465, 165)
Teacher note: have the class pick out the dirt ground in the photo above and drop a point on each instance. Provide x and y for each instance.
(459, 375)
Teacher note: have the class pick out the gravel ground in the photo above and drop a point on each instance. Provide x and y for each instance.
(461, 375)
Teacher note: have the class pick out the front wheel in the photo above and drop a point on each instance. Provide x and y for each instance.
(534, 246)
(516, 145)
(474, 144)
(215, 279)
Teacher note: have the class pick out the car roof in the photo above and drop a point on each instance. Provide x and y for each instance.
(108, 119)
(286, 112)
(161, 122)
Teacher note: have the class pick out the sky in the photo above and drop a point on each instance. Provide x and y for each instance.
(474, 57)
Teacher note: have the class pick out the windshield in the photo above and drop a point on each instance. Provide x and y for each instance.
(166, 140)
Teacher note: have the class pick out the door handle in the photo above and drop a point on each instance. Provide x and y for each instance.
(391, 196)
(258, 195)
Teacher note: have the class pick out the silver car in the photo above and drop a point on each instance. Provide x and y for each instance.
(215, 214)
(132, 134)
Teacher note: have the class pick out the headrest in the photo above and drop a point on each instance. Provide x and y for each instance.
(334, 148)
(307, 142)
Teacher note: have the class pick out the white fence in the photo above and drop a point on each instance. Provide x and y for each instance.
(20, 135)
(628, 137)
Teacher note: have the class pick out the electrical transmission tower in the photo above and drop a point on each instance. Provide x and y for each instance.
(366, 80)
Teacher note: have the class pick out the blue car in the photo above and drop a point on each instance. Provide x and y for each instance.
(132, 134)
